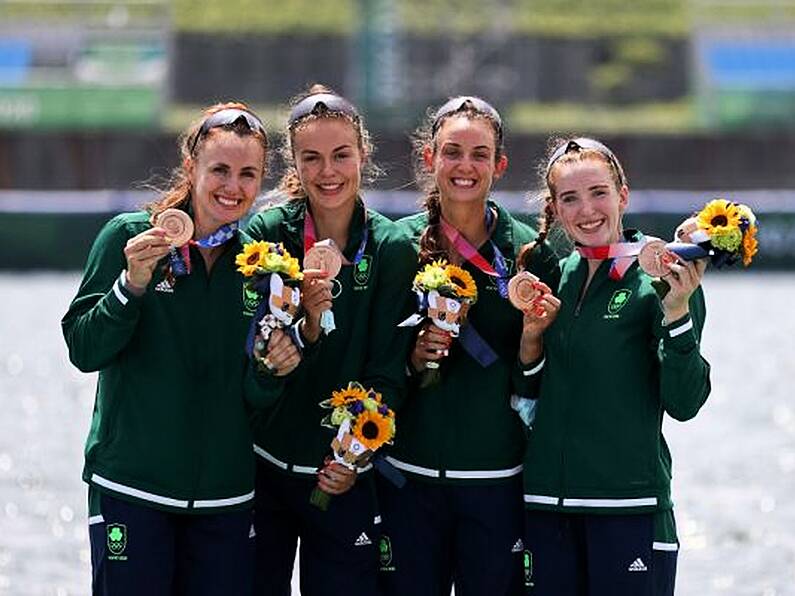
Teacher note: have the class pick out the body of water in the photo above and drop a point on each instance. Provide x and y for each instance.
(734, 464)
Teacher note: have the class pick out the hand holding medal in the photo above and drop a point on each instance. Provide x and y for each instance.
(538, 305)
(321, 262)
(143, 252)
(723, 231)
(526, 292)
(178, 226)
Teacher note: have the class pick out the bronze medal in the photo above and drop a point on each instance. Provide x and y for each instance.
(654, 258)
(523, 290)
(177, 224)
(325, 256)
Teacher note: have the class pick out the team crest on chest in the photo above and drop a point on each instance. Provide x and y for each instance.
(251, 300)
(385, 553)
(617, 302)
(362, 269)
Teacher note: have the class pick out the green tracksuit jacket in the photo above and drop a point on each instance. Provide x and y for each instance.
(366, 346)
(170, 426)
(461, 429)
(611, 369)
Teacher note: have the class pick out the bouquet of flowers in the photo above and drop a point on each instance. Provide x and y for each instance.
(445, 292)
(275, 275)
(363, 423)
(723, 231)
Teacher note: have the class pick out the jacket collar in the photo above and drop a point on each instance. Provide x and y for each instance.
(576, 260)
(293, 224)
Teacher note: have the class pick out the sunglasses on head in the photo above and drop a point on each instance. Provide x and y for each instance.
(464, 102)
(581, 144)
(228, 117)
(319, 103)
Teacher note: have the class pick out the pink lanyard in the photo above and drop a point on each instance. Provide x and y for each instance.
(471, 254)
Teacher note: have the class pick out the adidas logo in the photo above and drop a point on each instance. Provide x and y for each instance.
(164, 286)
(518, 547)
(362, 540)
(637, 565)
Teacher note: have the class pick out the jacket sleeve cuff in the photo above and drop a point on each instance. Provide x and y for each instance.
(532, 369)
(120, 298)
(680, 334)
(306, 347)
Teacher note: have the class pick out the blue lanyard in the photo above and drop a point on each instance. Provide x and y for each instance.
(179, 258)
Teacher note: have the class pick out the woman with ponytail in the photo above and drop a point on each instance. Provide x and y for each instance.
(328, 151)
(458, 519)
(613, 359)
(160, 314)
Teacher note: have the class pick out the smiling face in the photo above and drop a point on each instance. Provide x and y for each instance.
(329, 160)
(587, 202)
(463, 161)
(225, 178)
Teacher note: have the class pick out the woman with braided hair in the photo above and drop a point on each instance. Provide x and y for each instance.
(615, 356)
(459, 518)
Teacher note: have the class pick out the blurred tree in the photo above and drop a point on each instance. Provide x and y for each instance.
(274, 16)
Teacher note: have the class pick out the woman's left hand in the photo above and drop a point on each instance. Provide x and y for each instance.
(683, 278)
(334, 478)
(282, 356)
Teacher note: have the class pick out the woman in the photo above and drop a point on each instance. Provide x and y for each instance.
(458, 519)
(327, 148)
(168, 456)
(617, 357)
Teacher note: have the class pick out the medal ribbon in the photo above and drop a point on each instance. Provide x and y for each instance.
(470, 339)
(471, 254)
(310, 237)
(623, 254)
(179, 258)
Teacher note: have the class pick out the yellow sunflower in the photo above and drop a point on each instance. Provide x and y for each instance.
(372, 429)
(750, 245)
(719, 217)
(464, 285)
(345, 396)
(252, 257)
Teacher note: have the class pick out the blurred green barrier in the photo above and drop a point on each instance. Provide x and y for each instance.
(79, 107)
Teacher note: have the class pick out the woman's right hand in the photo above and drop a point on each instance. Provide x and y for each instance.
(432, 344)
(143, 253)
(315, 298)
(535, 321)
